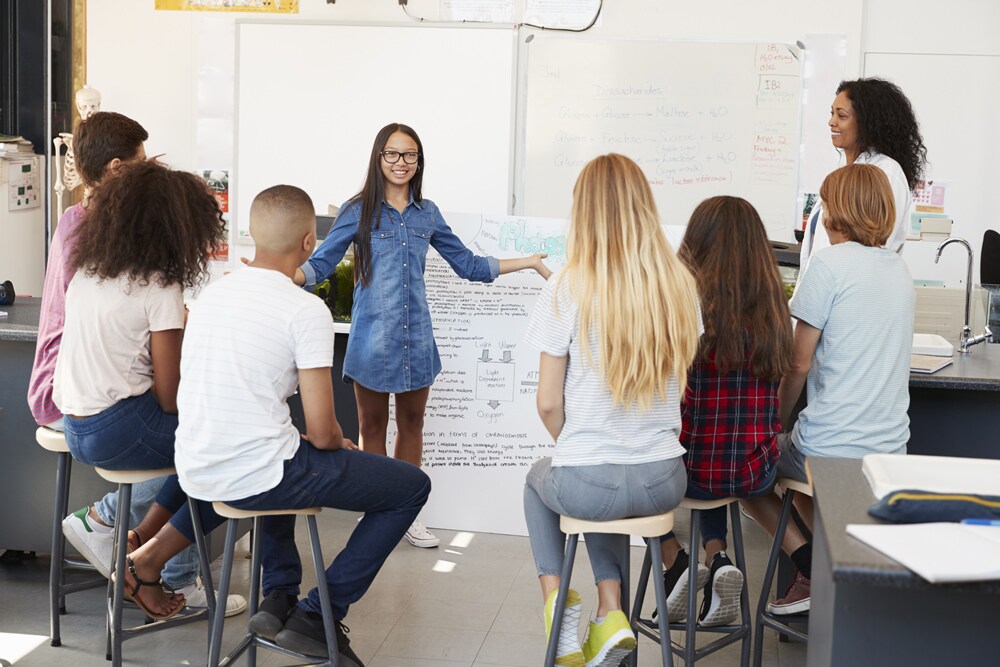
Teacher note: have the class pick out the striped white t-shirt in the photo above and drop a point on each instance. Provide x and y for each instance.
(246, 337)
(596, 430)
(862, 299)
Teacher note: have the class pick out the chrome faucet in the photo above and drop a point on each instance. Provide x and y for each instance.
(968, 340)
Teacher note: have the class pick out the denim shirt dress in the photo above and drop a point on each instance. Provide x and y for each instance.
(391, 348)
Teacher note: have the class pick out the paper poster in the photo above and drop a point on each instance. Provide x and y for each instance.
(255, 6)
(218, 182)
(481, 427)
(485, 11)
(561, 13)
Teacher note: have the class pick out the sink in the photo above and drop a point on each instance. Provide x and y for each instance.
(932, 344)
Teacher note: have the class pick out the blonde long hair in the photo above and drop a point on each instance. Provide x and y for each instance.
(645, 313)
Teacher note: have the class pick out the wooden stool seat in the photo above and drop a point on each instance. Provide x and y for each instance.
(53, 441)
(229, 512)
(692, 504)
(795, 485)
(644, 526)
(133, 476)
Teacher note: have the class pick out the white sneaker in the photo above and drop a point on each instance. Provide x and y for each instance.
(94, 541)
(418, 535)
(194, 596)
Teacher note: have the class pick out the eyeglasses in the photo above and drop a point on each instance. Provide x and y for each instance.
(392, 157)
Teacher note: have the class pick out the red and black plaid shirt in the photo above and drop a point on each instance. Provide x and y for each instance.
(730, 424)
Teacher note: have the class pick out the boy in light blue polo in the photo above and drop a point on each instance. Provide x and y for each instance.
(854, 332)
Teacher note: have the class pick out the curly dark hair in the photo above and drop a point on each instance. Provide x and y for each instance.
(149, 222)
(887, 124)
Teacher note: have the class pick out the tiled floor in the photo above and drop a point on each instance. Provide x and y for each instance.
(472, 602)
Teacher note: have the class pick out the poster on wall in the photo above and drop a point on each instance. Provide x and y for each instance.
(218, 182)
(257, 6)
(482, 432)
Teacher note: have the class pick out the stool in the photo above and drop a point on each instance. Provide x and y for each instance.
(764, 618)
(250, 641)
(116, 588)
(690, 652)
(55, 441)
(650, 527)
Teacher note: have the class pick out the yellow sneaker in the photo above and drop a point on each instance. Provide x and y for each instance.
(568, 653)
(609, 641)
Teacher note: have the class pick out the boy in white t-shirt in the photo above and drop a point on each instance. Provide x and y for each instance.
(252, 337)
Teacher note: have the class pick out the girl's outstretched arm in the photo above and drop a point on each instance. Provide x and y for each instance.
(532, 262)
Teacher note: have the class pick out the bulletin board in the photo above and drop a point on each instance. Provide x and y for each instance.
(312, 96)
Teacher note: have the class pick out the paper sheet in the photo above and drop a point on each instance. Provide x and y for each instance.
(938, 552)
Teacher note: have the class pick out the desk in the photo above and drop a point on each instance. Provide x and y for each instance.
(869, 610)
(956, 411)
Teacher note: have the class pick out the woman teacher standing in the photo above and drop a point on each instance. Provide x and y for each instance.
(872, 122)
(391, 349)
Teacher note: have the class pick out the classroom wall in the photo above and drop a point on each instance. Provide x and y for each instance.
(146, 62)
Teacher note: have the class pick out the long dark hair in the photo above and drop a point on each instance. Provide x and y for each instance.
(148, 221)
(887, 124)
(373, 194)
(743, 303)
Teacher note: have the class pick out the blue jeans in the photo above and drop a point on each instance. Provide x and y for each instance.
(133, 434)
(713, 522)
(597, 493)
(389, 492)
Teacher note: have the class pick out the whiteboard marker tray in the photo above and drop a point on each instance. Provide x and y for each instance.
(932, 344)
(887, 473)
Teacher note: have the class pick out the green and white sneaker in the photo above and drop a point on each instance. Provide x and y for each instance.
(568, 653)
(94, 542)
(609, 642)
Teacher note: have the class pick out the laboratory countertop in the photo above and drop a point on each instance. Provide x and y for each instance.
(843, 497)
(978, 370)
(21, 323)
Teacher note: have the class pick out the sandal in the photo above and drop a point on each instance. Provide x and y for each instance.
(133, 593)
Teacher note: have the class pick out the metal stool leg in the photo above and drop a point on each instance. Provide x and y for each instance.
(204, 563)
(557, 617)
(56, 567)
(640, 596)
(734, 514)
(656, 560)
(324, 593)
(118, 595)
(691, 624)
(772, 565)
(255, 576)
(218, 620)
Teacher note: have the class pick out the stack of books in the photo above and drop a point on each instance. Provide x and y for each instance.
(15, 146)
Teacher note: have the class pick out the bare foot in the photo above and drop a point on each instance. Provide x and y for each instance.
(142, 586)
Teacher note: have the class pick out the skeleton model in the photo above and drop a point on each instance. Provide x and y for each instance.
(88, 101)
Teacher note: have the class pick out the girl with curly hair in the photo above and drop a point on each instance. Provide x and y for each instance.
(146, 237)
(872, 122)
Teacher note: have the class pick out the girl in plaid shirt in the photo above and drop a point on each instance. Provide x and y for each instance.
(730, 412)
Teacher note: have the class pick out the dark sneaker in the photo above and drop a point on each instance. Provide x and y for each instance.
(272, 614)
(723, 589)
(675, 582)
(796, 600)
(303, 633)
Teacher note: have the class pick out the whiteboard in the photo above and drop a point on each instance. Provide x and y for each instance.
(310, 99)
(700, 118)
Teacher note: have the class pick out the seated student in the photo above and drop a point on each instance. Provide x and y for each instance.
(147, 235)
(103, 143)
(251, 339)
(617, 329)
(730, 411)
(854, 331)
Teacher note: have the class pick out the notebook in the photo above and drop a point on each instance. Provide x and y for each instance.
(937, 474)
(925, 363)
